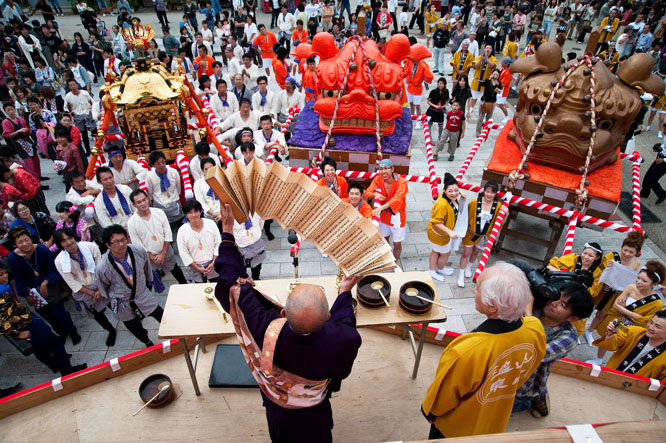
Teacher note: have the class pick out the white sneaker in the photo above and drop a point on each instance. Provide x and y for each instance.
(468, 270)
(103, 15)
(435, 276)
(324, 255)
(595, 361)
(418, 125)
(445, 271)
(589, 337)
(660, 135)
(461, 279)
(646, 128)
(397, 269)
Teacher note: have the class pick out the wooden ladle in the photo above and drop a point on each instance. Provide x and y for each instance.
(413, 292)
(162, 387)
(377, 286)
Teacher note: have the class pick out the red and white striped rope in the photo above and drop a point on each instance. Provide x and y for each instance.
(491, 241)
(552, 209)
(429, 156)
(480, 139)
(375, 205)
(212, 122)
(364, 174)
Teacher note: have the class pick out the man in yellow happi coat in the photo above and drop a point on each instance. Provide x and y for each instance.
(479, 373)
(638, 351)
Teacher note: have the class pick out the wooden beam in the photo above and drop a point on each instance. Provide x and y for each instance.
(644, 431)
(614, 379)
(46, 393)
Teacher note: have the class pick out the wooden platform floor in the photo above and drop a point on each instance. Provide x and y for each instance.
(378, 402)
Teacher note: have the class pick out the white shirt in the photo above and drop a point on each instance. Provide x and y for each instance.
(152, 233)
(250, 32)
(238, 53)
(129, 171)
(195, 48)
(640, 355)
(246, 237)
(172, 193)
(266, 108)
(283, 102)
(403, 20)
(207, 35)
(392, 6)
(260, 141)
(208, 202)
(190, 72)
(474, 48)
(236, 121)
(222, 112)
(80, 104)
(198, 247)
(74, 197)
(253, 72)
(312, 11)
(237, 4)
(76, 278)
(286, 23)
(111, 65)
(195, 166)
(233, 68)
(102, 214)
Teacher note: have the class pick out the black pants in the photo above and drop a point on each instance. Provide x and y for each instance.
(418, 18)
(58, 318)
(136, 328)
(274, 17)
(38, 203)
(178, 275)
(651, 180)
(48, 348)
(395, 21)
(99, 68)
(102, 320)
(284, 41)
(162, 17)
(85, 138)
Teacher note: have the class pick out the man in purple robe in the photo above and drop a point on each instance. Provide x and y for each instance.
(315, 343)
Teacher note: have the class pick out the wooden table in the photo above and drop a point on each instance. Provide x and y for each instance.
(189, 314)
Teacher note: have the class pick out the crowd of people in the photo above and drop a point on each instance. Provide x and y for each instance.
(113, 258)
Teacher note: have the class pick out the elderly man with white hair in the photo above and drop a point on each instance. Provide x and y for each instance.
(479, 372)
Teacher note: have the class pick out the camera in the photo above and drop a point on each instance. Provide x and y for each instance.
(659, 148)
(547, 285)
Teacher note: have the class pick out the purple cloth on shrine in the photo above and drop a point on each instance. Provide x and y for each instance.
(307, 134)
(326, 353)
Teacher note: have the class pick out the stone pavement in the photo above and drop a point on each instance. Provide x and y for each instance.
(462, 318)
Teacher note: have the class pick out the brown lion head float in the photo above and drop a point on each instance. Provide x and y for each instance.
(565, 133)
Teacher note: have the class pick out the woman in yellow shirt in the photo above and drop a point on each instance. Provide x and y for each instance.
(440, 229)
(637, 304)
(431, 23)
(589, 260)
(606, 296)
(481, 215)
(510, 46)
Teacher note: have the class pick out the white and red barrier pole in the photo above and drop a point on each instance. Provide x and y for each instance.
(491, 240)
(636, 195)
(571, 233)
(182, 163)
(429, 157)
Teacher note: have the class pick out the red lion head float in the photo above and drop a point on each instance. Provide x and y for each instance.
(356, 110)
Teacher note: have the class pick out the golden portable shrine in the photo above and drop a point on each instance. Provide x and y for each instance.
(151, 110)
(150, 105)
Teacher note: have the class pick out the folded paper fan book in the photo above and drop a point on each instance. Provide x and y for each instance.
(336, 228)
